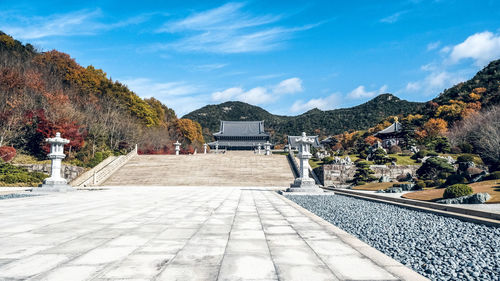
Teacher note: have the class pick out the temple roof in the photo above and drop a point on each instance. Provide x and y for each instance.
(396, 127)
(241, 128)
(293, 143)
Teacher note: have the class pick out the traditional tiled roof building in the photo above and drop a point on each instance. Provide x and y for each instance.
(392, 135)
(240, 135)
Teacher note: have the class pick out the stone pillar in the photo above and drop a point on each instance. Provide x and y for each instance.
(258, 148)
(204, 148)
(287, 148)
(55, 183)
(216, 147)
(267, 147)
(304, 183)
(177, 147)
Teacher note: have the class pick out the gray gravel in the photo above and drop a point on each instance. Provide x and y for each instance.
(438, 247)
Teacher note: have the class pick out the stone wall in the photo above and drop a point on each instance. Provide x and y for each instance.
(338, 175)
(68, 172)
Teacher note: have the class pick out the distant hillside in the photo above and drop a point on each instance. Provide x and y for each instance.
(488, 78)
(314, 121)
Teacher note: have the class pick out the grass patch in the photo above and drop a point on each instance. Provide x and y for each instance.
(403, 160)
(491, 186)
(374, 186)
(315, 164)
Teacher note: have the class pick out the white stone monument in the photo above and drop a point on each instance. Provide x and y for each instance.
(205, 148)
(55, 183)
(267, 147)
(216, 147)
(258, 148)
(177, 147)
(304, 183)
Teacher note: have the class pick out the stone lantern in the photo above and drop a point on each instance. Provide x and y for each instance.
(55, 182)
(216, 147)
(258, 148)
(267, 147)
(304, 183)
(177, 147)
(205, 148)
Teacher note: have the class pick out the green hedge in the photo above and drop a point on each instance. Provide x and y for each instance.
(11, 174)
(457, 190)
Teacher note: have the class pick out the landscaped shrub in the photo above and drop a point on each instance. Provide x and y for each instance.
(401, 177)
(435, 168)
(466, 147)
(429, 183)
(363, 173)
(394, 149)
(380, 157)
(465, 158)
(432, 153)
(456, 150)
(11, 175)
(438, 182)
(98, 158)
(419, 155)
(493, 176)
(457, 190)
(7, 153)
(454, 179)
(420, 184)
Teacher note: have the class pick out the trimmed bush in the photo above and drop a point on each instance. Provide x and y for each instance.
(456, 150)
(429, 183)
(420, 184)
(432, 153)
(465, 158)
(438, 182)
(419, 155)
(435, 168)
(7, 153)
(395, 149)
(454, 179)
(493, 176)
(457, 190)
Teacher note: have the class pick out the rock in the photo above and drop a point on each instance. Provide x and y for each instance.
(407, 186)
(384, 179)
(478, 198)
(394, 190)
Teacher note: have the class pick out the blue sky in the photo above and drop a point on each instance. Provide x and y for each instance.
(285, 56)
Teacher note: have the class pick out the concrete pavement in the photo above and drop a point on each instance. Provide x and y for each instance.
(180, 233)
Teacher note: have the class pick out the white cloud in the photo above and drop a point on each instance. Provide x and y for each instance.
(210, 67)
(82, 22)
(260, 95)
(481, 47)
(435, 82)
(146, 87)
(227, 29)
(289, 86)
(433, 45)
(360, 92)
(393, 18)
(326, 103)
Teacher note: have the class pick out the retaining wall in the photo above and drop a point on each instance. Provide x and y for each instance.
(334, 175)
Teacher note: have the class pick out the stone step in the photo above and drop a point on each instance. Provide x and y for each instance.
(234, 168)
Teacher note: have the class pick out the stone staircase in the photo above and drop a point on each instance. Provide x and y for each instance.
(234, 168)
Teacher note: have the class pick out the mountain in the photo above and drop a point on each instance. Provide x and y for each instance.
(487, 79)
(314, 121)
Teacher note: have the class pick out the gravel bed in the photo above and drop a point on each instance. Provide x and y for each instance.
(438, 247)
(15, 195)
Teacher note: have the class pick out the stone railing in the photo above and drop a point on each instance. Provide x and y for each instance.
(101, 173)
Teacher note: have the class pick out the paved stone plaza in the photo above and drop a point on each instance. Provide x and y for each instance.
(179, 233)
(235, 168)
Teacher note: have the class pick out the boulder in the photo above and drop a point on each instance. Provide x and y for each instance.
(384, 179)
(478, 198)
(407, 186)
(394, 190)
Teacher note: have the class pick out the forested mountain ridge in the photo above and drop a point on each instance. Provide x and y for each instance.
(45, 92)
(314, 121)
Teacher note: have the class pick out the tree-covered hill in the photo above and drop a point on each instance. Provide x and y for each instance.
(314, 121)
(46, 92)
(487, 79)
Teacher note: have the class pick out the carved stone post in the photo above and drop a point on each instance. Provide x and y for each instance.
(177, 147)
(267, 147)
(216, 147)
(205, 148)
(304, 183)
(55, 183)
